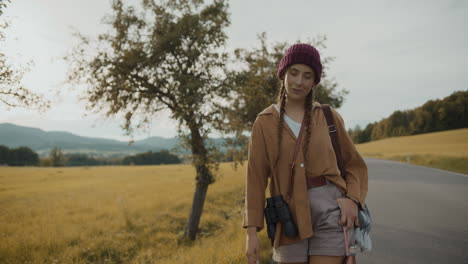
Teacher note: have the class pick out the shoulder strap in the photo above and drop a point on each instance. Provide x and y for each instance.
(334, 138)
(293, 164)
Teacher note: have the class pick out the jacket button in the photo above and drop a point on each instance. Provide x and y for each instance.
(302, 165)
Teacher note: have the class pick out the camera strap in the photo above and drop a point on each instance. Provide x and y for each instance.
(293, 164)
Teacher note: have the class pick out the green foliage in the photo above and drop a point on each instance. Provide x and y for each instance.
(164, 55)
(435, 115)
(355, 133)
(366, 134)
(4, 154)
(82, 160)
(151, 158)
(162, 58)
(255, 86)
(22, 156)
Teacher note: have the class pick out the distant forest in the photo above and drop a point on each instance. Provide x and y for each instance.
(435, 115)
(151, 158)
(24, 156)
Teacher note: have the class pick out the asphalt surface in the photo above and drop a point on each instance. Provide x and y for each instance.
(420, 214)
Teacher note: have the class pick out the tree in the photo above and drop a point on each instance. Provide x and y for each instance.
(366, 134)
(4, 152)
(435, 115)
(255, 86)
(166, 56)
(22, 156)
(80, 160)
(354, 133)
(12, 92)
(56, 157)
(151, 158)
(3, 5)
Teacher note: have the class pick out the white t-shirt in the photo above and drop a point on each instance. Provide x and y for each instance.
(295, 126)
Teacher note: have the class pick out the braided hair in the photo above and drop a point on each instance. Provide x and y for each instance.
(307, 115)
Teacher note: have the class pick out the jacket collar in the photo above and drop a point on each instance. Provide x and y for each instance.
(271, 109)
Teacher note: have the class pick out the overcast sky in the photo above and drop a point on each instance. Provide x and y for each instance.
(390, 55)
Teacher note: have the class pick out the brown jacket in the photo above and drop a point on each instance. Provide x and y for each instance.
(263, 150)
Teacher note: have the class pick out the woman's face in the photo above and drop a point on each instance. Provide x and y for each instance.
(299, 80)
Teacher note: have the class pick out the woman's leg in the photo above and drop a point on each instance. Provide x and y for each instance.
(295, 253)
(325, 259)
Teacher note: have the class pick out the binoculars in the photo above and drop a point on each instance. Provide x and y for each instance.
(277, 210)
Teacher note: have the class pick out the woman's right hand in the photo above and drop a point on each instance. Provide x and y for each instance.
(252, 247)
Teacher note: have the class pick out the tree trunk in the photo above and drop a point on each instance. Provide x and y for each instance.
(203, 179)
(191, 229)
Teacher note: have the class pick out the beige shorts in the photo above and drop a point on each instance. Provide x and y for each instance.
(328, 238)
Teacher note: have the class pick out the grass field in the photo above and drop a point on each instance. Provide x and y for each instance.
(118, 215)
(447, 150)
(136, 214)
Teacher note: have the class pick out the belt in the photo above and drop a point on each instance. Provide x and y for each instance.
(313, 182)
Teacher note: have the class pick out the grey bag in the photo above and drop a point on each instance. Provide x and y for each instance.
(363, 239)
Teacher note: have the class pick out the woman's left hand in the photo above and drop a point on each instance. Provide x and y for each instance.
(349, 211)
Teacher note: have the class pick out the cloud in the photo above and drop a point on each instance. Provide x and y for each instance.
(390, 54)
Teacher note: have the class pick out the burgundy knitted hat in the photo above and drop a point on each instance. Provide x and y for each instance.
(301, 54)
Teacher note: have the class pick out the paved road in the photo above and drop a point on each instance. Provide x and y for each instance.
(420, 215)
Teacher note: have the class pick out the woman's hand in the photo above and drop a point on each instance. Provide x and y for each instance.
(349, 212)
(252, 247)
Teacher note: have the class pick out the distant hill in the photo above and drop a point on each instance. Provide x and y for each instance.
(160, 142)
(453, 143)
(41, 141)
(446, 150)
(448, 113)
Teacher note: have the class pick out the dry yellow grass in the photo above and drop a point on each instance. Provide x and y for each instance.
(118, 215)
(137, 214)
(446, 150)
(453, 143)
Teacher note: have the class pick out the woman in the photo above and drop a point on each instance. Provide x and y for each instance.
(321, 202)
